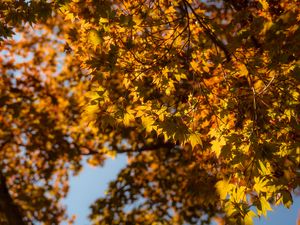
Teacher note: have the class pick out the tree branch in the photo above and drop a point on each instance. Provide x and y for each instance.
(209, 32)
(142, 149)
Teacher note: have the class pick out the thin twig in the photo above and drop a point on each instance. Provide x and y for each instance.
(209, 32)
(266, 87)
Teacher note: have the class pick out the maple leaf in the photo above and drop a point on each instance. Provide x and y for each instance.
(195, 139)
(224, 188)
(217, 145)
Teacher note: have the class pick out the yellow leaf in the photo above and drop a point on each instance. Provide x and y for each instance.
(170, 10)
(168, 91)
(126, 82)
(230, 209)
(264, 168)
(239, 194)
(181, 76)
(103, 20)
(246, 148)
(217, 145)
(223, 187)
(260, 185)
(195, 139)
(288, 113)
(70, 16)
(128, 118)
(249, 218)
(148, 122)
(111, 154)
(265, 206)
(161, 113)
(94, 37)
(89, 115)
(194, 65)
(243, 70)
(206, 69)
(137, 20)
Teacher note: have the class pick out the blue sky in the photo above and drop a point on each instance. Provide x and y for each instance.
(92, 183)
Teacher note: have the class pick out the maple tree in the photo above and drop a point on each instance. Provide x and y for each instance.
(202, 96)
(41, 134)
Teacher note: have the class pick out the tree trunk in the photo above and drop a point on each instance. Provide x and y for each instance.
(9, 212)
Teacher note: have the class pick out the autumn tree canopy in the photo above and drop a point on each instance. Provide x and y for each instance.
(202, 97)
